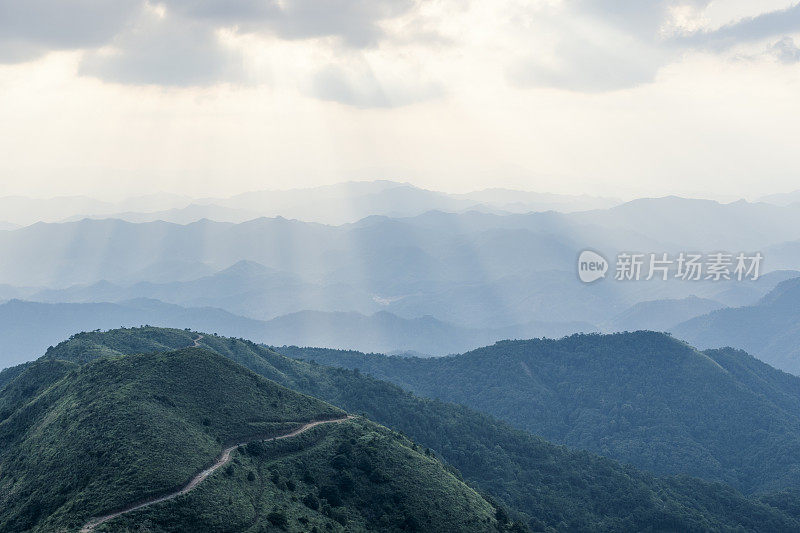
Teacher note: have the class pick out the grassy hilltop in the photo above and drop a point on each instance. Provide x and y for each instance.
(80, 440)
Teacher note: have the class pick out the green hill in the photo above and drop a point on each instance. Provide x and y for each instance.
(78, 441)
(643, 398)
(553, 487)
(358, 476)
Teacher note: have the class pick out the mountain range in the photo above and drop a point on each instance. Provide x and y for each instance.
(354, 473)
(331, 204)
(430, 247)
(141, 425)
(431, 282)
(770, 329)
(227, 302)
(787, 198)
(661, 315)
(473, 270)
(28, 328)
(643, 398)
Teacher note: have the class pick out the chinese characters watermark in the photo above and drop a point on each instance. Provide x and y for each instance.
(684, 266)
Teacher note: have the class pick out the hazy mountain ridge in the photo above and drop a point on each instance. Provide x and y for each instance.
(507, 276)
(693, 224)
(473, 269)
(332, 204)
(384, 331)
(661, 315)
(770, 329)
(28, 328)
(227, 302)
(24, 211)
(105, 248)
(783, 199)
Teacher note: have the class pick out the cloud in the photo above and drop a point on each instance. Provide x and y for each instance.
(227, 12)
(763, 26)
(580, 45)
(19, 51)
(608, 45)
(41, 25)
(175, 42)
(362, 88)
(163, 51)
(786, 51)
(592, 73)
(71, 24)
(591, 64)
(354, 22)
(597, 46)
(594, 47)
(642, 19)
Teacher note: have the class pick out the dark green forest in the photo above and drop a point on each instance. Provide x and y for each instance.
(644, 398)
(551, 487)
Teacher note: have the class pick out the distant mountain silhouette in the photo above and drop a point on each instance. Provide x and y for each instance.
(661, 315)
(331, 204)
(473, 269)
(770, 329)
(28, 328)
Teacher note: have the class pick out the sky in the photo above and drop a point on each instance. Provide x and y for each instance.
(619, 98)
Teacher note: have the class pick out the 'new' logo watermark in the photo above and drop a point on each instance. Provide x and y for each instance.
(591, 266)
(684, 266)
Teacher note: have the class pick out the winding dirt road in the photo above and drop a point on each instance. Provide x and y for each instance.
(196, 342)
(199, 478)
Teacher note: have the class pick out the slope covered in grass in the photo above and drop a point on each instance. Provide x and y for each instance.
(553, 487)
(355, 475)
(76, 441)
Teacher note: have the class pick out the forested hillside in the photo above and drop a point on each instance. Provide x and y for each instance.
(551, 486)
(141, 426)
(643, 398)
